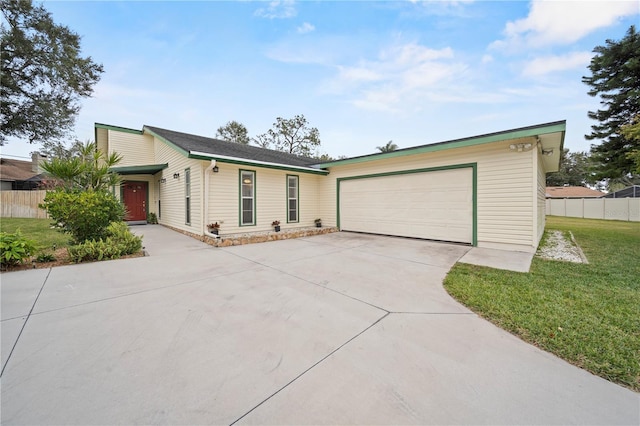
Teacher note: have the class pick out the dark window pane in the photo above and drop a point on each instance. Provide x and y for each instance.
(247, 217)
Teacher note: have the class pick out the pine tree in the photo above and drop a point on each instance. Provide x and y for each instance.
(616, 79)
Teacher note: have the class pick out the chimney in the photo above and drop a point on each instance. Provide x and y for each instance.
(36, 160)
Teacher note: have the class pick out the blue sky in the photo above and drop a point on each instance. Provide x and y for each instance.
(363, 73)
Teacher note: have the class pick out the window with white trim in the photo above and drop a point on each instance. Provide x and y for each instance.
(187, 196)
(247, 198)
(292, 198)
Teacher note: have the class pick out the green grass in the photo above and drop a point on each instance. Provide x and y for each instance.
(38, 230)
(587, 314)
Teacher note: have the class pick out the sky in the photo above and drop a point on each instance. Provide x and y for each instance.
(362, 72)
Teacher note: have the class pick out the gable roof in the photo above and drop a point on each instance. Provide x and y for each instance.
(16, 170)
(550, 135)
(201, 147)
(572, 192)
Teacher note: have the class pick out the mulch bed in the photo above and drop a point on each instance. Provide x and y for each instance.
(62, 259)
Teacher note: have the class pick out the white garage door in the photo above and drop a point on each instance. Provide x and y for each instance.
(434, 205)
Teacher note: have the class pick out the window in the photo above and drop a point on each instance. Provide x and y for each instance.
(292, 198)
(187, 196)
(247, 197)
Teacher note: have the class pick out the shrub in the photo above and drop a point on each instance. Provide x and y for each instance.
(83, 214)
(152, 218)
(15, 248)
(45, 257)
(119, 242)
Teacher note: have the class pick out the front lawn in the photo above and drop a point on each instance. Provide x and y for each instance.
(38, 230)
(587, 314)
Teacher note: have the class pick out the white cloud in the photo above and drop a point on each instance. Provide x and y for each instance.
(547, 64)
(277, 9)
(487, 59)
(402, 74)
(563, 22)
(306, 28)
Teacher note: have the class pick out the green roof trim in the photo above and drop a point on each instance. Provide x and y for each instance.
(117, 128)
(257, 164)
(148, 169)
(524, 132)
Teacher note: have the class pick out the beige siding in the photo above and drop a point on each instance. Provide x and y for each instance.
(541, 179)
(172, 191)
(102, 140)
(271, 198)
(505, 189)
(135, 149)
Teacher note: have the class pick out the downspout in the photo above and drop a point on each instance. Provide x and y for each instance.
(205, 218)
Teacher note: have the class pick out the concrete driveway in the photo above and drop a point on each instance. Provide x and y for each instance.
(333, 329)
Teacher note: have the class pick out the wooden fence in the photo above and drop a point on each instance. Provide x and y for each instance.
(22, 204)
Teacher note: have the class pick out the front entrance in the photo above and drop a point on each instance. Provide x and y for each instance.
(134, 197)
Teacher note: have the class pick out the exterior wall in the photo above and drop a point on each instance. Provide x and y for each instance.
(541, 179)
(136, 149)
(171, 193)
(102, 140)
(506, 194)
(270, 198)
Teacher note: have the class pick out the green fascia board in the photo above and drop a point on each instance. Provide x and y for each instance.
(474, 201)
(541, 129)
(117, 128)
(250, 163)
(147, 169)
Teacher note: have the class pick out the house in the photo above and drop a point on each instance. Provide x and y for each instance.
(572, 192)
(485, 191)
(628, 192)
(17, 175)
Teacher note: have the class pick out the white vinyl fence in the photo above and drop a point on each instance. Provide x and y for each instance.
(22, 204)
(595, 208)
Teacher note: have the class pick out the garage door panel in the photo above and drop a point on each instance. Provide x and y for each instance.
(435, 205)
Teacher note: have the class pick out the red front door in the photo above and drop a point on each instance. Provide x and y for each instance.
(134, 196)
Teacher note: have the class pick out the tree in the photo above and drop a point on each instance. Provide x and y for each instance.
(234, 132)
(291, 135)
(615, 78)
(632, 132)
(575, 170)
(57, 149)
(89, 170)
(43, 75)
(390, 146)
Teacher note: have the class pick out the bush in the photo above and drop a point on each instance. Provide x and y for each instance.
(83, 214)
(15, 248)
(152, 218)
(119, 242)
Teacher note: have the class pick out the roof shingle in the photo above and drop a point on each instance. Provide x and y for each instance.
(572, 192)
(193, 143)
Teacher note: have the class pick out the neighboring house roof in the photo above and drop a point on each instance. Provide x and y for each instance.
(629, 192)
(572, 192)
(16, 170)
(204, 147)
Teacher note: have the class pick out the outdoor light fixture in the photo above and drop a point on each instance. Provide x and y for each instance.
(163, 180)
(176, 175)
(547, 151)
(215, 169)
(520, 147)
